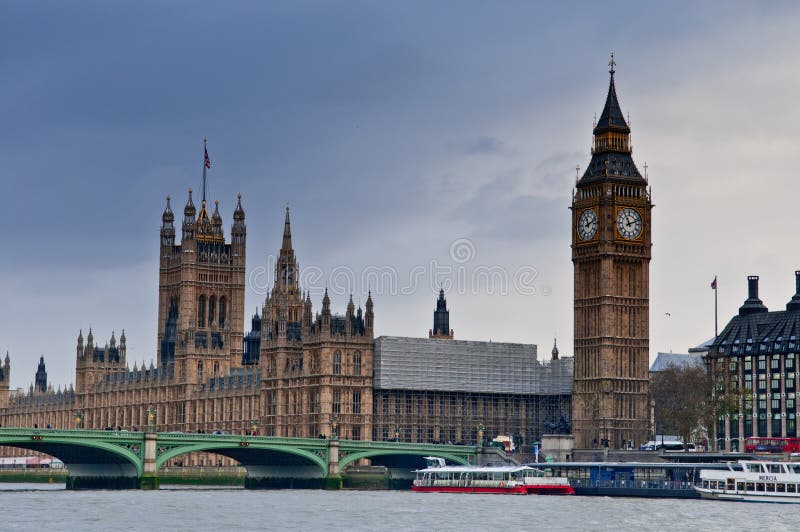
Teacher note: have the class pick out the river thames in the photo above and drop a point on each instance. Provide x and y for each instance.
(43, 507)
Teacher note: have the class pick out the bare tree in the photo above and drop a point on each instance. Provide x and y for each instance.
(681, 397)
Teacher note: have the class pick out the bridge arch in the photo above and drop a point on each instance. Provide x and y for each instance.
(373, 453)
(254, 454)
(94, 456)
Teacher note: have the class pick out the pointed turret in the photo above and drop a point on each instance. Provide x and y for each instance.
(90, 341)
(216, 220)
(5, 382)
(188, 220)
(113, 341)
(612, 119)
(326, 310)
(554, 352)
(611, 148)
(41, 376)
(122, 348)
(189, 211)
(168, 217)
(79, 348)
(369, 315)
(287, 233)
(238, 214)
(441, 319)
(286, 270)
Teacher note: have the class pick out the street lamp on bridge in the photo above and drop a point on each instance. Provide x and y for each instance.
(78, 418)
(334, 426)
(151, 419)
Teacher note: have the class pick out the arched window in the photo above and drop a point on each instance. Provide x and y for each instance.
(201, 311)
(222, 310)
(200, 368)
(212, 310)
(337, 363)
(357, 363)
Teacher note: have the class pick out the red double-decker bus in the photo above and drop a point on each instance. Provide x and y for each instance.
(772, 445)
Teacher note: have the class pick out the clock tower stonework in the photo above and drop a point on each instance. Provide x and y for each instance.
(611, 249)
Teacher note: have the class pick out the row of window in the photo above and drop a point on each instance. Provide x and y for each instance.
(337, 363)
(211, 310)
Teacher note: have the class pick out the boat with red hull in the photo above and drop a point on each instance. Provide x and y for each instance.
(520, 480)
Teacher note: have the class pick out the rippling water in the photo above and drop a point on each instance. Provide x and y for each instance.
(43, 507)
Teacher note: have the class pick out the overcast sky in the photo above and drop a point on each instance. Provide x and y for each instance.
(432, 142)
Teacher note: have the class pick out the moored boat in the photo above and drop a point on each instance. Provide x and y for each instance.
(753, 481)
(519, 480)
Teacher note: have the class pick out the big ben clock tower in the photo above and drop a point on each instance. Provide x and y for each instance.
(611, 248)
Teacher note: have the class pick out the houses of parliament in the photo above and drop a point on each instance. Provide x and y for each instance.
(306, 373)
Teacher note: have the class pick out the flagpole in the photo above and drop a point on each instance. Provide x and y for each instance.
(716, 329)
(205, 151)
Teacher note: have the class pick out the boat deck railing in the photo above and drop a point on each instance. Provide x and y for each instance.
(632, 485)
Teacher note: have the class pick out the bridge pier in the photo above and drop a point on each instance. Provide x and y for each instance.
(149, 479)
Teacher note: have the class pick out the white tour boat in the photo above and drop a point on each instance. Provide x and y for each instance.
(438, 477)
(750, 480)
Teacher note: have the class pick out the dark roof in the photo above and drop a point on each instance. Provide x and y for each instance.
(612, 166)
(611, 118)
(762, 333)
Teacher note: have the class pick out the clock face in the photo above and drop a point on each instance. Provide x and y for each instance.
(629, 223)
(587, 224)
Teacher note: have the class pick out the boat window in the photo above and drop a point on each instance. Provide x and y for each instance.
(781, 488)
(796, 469)
(770, 487)
(775, 468)
(750, 486)
(740, 486)
(760, 486)
(754, 468)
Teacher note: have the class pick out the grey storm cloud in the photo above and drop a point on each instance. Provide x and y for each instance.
(391, 130)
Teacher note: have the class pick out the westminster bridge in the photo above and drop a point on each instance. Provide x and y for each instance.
(120, 459)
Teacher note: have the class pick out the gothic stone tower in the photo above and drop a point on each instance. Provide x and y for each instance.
(5, 382)
(317, 370)
(611, 248)
(441, 320)
(201, 293)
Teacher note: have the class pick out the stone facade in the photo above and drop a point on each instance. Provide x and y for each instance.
(296, 373)
(611, 249)
(317, 368)
(302, 374)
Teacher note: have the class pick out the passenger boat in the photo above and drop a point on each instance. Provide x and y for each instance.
(754, 481)
(441, 478)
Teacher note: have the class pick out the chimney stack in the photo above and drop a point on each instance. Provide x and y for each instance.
(752, 305)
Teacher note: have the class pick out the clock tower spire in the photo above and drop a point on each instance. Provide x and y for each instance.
(611, 249)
